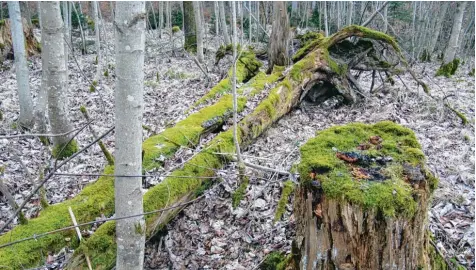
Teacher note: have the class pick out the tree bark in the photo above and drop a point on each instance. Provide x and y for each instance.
(129, 103)
(161, 18)
(326, 22)
(277, 52)
(452, 46)
(55, 78)
(189, 27)
(217, 18)
(26, 118)
(97, 41)
(224, 28)
(334, 232)
(199, 30)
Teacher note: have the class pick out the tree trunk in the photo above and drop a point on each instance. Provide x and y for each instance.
(326, 23)
(129, 103)
(350, 10)
(224, 28)
(217, 18)
(189, 24)
(151, 4)
(26, 118)
(97, 26)
(161, 17)
(340, 224)
(452, 46)
(56, 79)
(277, 52)
(66, 33)
(199, 31)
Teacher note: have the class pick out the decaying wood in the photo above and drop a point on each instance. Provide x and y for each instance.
(6, 45)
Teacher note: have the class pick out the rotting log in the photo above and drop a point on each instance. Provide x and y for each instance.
(33, 47)
(315, 68)
(363, 200)
(97, 199)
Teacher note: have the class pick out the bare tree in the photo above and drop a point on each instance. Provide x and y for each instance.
(189, 26)
(128, 159)
(217, 18)
(161, 18)
(277, 52)
(326, 21)
(235, 95)
(199, 31)
(224, 29)
(98, 41)
(26, 118)
(452, 46)
(350, 10)
(55, 78)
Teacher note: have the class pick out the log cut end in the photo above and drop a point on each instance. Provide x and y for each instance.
(363, 199)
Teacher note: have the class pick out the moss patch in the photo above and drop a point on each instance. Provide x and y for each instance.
(324, 160)
(288, 188)
(86, 208)
(274, 261)
(240, 192)
(69, 149)
(448, 69)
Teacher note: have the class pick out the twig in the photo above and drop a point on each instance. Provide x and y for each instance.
(38, 135)
(78, 232)
(48, 177)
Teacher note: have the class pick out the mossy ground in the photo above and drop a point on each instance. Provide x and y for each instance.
(288, 188)
(62, 151)
(86, 208)
(392, 196)
(274, 261)
(448, 69)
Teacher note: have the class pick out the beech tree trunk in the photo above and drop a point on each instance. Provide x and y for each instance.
(129, 105)
(199, 30)
(452, 46)
(97, 41)
(26, 118)
(55, 78)
(277, 52)
(224, 28)
(189, 27)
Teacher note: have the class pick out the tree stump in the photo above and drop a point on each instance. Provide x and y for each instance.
(363, 200)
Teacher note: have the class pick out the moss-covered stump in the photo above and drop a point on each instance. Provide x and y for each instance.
(363, 199)
(448, 69)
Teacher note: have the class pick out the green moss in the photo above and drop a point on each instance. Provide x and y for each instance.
(471, 73)
(60, 153)
(2, 22)
(86, 208)
(106, 73)
(240, 192)
(175, 29)
(92, 87)
(463, 118)
(448, 69)
(225, 50)
(437, 262)
(392, 197)
(368, 33)
(310, 41)
(246, 68)
(82, 109)
(299, 69)
(337, 68)
(288, 188)
(274, 261)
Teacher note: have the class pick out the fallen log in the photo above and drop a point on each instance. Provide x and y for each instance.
(97, 199)
(317, 72)
(363, 200)
(314, 69)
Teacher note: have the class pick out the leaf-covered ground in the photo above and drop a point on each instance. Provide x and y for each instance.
(211, 233)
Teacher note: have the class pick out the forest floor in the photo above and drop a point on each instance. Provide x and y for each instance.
(210, 233)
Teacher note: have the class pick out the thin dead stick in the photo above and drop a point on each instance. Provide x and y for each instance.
(78, 232)
(56, 167)
(37, 135)
(257, 22)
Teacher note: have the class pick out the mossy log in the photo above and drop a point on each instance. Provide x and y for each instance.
(33, 47)
(363, 200)
(315, 69)
(98, 198)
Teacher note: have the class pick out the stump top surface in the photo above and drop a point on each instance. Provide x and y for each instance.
(379, 166)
